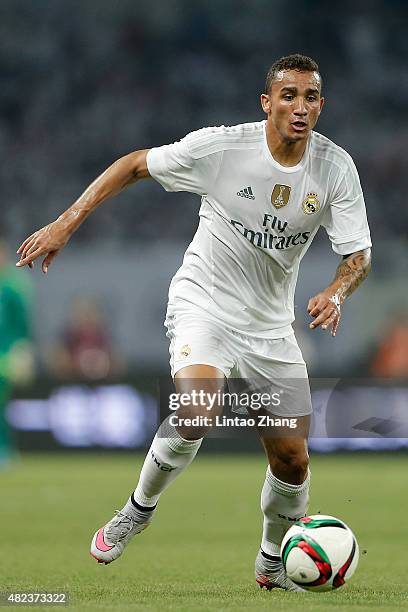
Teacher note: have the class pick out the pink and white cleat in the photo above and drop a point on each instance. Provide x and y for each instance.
(270, 573)
(109, 541)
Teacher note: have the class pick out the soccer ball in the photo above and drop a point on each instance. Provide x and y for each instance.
(319, 553)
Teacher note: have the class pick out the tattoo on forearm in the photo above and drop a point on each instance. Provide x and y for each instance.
(353, 270)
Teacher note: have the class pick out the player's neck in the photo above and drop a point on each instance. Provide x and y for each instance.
(286, 153)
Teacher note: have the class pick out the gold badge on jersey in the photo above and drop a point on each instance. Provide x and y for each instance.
(185, 350)
(311, 204)
(280, 195)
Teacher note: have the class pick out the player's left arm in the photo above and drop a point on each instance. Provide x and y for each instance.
(325, 307)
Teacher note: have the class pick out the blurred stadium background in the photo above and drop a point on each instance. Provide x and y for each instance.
(84, 83)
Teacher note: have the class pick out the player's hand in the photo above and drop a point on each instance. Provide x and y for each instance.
(47, 241)
(325, 309)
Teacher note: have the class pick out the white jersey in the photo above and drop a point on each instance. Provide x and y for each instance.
(257, 220)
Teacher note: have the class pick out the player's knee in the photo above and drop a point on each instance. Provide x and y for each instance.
(291, 465)
(193, 433)
(193, 423)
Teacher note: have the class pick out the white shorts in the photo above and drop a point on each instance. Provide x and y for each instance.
(195, 339)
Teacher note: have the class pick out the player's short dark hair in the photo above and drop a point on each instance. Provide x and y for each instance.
(296, 61)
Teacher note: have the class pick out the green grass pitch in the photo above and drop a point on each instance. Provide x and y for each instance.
(199, 552)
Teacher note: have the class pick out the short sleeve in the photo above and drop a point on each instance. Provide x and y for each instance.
(345, 219)
(178, 166)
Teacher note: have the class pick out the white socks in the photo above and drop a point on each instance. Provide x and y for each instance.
(167, 457)
(282, 503)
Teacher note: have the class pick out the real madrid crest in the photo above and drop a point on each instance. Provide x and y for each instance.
(185, 350)
(280, 195)
(311, 204)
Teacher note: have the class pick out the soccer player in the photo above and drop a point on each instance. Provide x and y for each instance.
(265, 189)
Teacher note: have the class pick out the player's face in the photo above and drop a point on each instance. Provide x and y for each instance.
(294, 103)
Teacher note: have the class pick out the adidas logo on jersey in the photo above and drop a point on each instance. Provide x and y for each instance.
(246, 193)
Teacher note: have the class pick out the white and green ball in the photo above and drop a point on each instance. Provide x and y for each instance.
(320, 553)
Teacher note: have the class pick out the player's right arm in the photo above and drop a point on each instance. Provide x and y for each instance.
(50, 239)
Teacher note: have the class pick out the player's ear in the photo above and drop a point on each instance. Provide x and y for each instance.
(266, 103)
(321, 104)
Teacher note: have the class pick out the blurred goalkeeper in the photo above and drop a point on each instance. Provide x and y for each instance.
(16, 350)
(266, 187)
